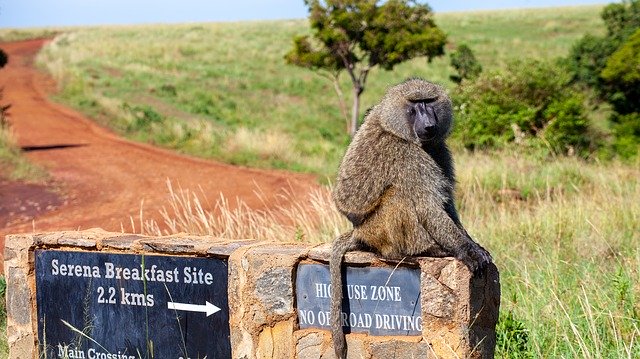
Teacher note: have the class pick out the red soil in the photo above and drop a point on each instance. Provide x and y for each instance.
(101, 179)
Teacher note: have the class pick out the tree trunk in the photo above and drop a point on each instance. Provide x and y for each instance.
(343, 106)
(355, 110)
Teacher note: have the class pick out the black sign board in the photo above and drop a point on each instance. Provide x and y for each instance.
(125, 306)
(377, 301)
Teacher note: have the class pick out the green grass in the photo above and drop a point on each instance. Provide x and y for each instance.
(500, 36)
(216, 90)
(567, 250)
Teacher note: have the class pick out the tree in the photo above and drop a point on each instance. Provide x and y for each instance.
(465, 63)
(589, 55)
(621, 76)
(609, 65)
(358, 35)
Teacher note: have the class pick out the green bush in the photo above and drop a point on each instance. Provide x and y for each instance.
(587, 59)
(589, 56)
(622, 76)
(567, 125)
(528, 101)
(621, 19)
(465, 63)
(626, 129)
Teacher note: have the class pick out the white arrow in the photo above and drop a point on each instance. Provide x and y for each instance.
(207, 308)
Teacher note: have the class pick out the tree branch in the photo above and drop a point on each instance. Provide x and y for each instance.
(363, 76)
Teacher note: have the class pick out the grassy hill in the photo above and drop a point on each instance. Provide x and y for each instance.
(223, 91)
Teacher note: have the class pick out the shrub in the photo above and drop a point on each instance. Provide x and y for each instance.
(589, 56)
(621, 19)
(587, 59)
(622, 76)
(465, 63)
(626, 129)
(528, 101)
(567, 125)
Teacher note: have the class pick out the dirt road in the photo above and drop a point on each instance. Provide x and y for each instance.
(102, 178)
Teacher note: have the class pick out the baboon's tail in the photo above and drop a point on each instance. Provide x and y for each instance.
(341, 245)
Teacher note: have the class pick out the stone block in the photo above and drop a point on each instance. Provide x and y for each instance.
(260, 292)
(224, 248)
(275, 342)
(313, 344)
(175, 245)
(460, 309)
(82, 239)
(20, 291)
(309, 344)
(401, 349)
(125, 242)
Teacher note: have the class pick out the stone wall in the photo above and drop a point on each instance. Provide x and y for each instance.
(458, 316)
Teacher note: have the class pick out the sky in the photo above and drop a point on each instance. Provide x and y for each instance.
(43, 13)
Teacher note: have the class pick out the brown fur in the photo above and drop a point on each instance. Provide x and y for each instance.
(396, 186)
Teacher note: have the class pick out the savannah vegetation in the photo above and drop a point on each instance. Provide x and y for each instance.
(560, 216)
(224, 91)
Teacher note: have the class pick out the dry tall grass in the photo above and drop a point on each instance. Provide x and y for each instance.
(314, 220)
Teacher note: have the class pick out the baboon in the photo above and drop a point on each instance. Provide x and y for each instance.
(395, 185)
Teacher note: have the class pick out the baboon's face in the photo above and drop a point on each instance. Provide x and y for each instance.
(423, 119)
(418, 111)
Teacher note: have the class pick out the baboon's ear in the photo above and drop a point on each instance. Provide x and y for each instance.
(393, 116)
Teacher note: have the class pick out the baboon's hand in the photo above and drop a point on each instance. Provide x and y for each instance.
(474, 256)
